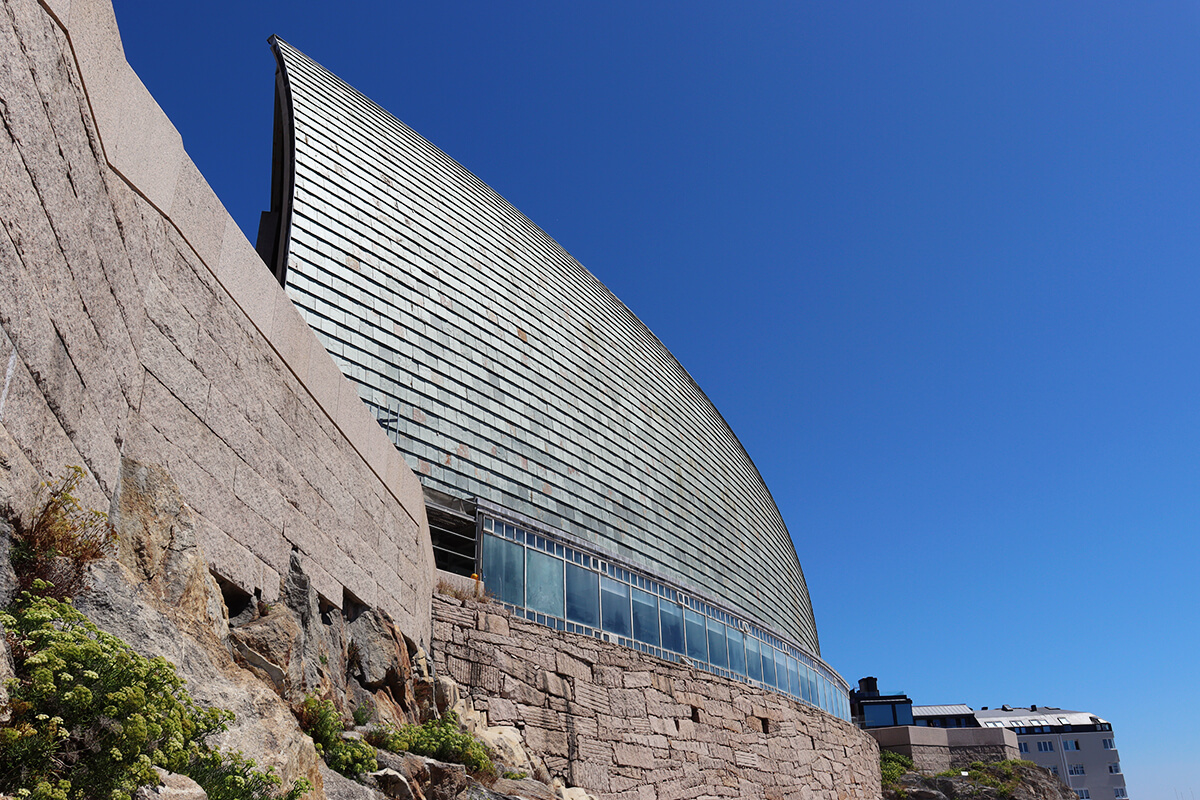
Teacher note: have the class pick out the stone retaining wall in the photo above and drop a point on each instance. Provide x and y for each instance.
(622, 724)
(137, 321)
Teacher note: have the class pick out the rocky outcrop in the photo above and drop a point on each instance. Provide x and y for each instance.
(1007, 780)
(159, 597)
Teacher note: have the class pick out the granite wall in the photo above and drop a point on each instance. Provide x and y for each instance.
(136, 321)
(623, 724)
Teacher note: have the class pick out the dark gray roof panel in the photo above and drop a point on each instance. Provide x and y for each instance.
(508, 371)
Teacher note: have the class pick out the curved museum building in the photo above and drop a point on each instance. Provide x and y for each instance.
(566, 455)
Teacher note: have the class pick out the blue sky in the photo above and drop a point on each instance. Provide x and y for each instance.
(936, 264)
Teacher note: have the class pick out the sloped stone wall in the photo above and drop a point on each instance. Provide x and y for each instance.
(136, 321)
(621, 724)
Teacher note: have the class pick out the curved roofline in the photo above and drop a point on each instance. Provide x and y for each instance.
(274, 226)
(284, 90)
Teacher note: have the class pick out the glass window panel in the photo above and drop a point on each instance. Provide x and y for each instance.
(903, 712)
(614, 607)
(504, 570)
(717, 653)
(768, 665)
(671, 616)
(697, 635)
(793, 669)
(645, 617)
(781, 670)
(878, 716)
(806, 677)
(737, 651)
(543, 583)
(583, 596)
(754, 658)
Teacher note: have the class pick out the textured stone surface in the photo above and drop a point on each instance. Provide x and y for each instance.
(264, 729)
(118, 338)
(338, 787)
(173, 787)
(617, 723)
(1021, 782)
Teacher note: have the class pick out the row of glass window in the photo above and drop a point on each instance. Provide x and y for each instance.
(560, 586)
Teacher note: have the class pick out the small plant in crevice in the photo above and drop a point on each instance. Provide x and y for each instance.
(892, 767)
(363, 712)
(89, 717)
(62, 540)
(320, 720)
(443, 739)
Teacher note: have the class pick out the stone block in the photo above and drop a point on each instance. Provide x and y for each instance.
(546, 740)
(628, 703)
(637, 680)
(139, 141)
(591, 697)
(198, 214)
(494, 623)
(568, 665)
(247, 280)
(628, 755)
(501, 711)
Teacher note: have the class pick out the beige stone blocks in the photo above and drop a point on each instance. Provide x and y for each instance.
(633, 725)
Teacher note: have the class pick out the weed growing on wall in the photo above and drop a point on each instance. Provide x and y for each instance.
(443, 739)
(63, 538)
(91, 718)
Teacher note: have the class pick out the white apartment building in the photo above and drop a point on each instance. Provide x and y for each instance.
(1077, 746)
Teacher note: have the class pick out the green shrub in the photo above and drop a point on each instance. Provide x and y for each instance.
(892, 766)
(63, 538)
(352, 757)
(232, 776)
(363, 712)
(320, 720)
(443, 739)
(90, 718)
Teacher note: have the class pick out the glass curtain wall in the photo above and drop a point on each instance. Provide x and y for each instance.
(556, 585)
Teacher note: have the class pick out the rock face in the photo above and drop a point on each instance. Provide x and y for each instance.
(1024, 781)
(160, 598)
(362, 664)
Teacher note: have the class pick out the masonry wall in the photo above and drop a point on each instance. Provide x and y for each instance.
(622, 724)
(137, 321)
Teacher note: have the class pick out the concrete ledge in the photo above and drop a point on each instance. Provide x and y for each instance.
(981, 737)
(460, 583)
(908, 735)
